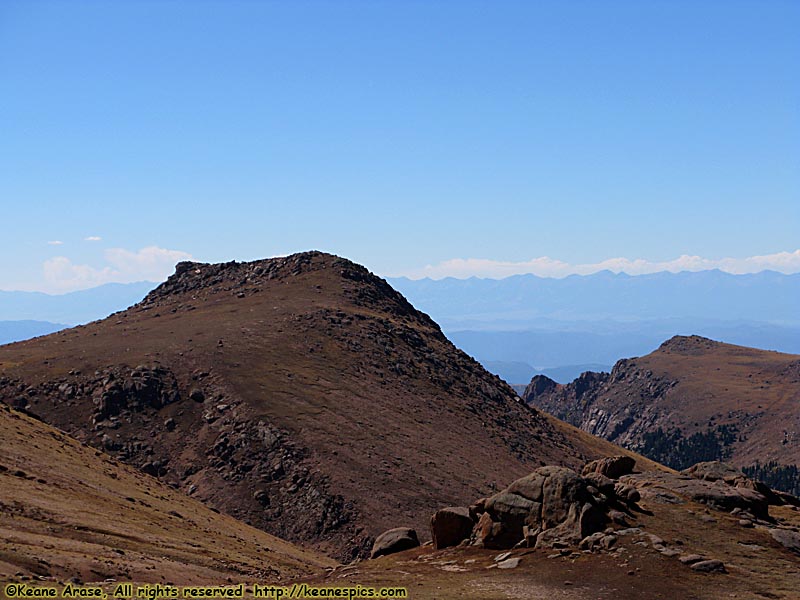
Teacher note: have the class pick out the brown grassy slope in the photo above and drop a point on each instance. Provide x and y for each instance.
(69, 511)
(695, 384)
(332, 408)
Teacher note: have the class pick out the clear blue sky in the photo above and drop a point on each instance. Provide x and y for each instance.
(398, 134)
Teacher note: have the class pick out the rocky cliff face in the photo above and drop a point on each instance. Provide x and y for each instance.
(302, 395)
(691, 400)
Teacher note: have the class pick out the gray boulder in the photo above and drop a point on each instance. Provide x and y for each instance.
(786, 538)
(394, 540)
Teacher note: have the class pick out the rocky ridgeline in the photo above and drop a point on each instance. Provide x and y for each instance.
(554, 508)
(585, 402)
(193, 281)
(582, 402)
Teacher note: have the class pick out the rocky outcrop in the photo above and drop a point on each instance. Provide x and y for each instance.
(671, 488)
(719, 471)
(568, 402)
(394, 540)
(551, 507)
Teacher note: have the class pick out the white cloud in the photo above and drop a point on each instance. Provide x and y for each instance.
(123, 266)
(55, 243)
(92, 238)
(784, 262)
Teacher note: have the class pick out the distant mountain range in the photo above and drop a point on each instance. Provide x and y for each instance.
(515, 302)
(528, 324)
(15, 331)
(75, 307)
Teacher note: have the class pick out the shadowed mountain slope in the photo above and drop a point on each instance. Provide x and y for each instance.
(302, 395)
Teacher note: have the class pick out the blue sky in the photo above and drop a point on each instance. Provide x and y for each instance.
(415, 137)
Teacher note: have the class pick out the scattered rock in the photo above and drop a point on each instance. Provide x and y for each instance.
(707, 519)
(608, 541)
(109, 443)
(618, 517)
(655, 540)
(590, 541)
(690, 559)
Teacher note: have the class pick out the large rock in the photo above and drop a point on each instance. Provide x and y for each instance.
(675, 488)
(715, 471)
(613, 467)
(719, 471)
(552, 504)
(394, 540)
(451, 526)
(788, 539)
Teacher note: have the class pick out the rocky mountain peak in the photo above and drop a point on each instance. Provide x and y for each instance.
(200, 281)
(688, 344)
